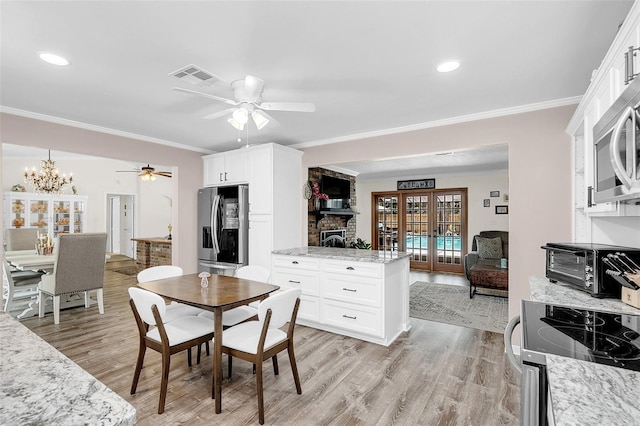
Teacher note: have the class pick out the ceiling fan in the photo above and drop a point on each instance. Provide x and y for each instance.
(247, 102)
(147, 173)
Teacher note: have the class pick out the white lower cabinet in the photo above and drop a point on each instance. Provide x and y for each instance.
(366, 300)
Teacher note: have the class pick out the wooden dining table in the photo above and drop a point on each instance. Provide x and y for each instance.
(30, 260)
(222, 293)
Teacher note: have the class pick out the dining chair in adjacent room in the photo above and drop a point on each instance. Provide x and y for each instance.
(174, 310)
(21, 238)
(78, 267)
(18, 285)
(165, 337)
(257, 341)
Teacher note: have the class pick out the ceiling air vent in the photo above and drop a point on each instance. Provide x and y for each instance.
(195, 75)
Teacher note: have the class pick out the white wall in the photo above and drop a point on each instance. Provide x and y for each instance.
(96, 177)
(478, 187)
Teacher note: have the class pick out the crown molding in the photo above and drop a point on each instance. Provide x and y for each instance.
(100, 129)
(445, 122)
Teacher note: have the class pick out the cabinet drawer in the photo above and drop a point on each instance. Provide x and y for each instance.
(352, 317)
(296, 262)
(363, 291)
(347, 268)
(305, 280)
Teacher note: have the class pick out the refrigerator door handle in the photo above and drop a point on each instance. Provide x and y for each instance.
(214, 224)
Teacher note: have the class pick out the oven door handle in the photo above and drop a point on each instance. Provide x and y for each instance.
(508, 347)
(580, 253)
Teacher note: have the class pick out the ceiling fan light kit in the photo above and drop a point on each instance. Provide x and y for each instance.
(247, 101)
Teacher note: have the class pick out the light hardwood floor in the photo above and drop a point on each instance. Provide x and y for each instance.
(436, 374)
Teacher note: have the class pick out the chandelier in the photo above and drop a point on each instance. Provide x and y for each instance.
(48, 180)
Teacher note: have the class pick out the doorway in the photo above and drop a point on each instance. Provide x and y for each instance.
(431, 225)
(120, 224)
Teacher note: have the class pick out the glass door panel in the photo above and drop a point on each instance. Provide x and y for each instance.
(417, 237)
(386, 222)
(449, 231)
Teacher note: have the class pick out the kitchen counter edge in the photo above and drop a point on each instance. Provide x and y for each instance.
(349, 254)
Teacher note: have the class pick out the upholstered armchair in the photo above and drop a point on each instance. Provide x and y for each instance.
(489, 253)
(78, 267)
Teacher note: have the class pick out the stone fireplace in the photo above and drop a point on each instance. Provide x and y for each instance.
(318, 223)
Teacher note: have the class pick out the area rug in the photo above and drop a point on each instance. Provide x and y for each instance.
(450, 304)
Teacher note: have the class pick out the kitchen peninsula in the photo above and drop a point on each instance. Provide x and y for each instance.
(357, 293)
(153, 251)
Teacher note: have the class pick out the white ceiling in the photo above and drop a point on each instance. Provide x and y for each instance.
(369, 67)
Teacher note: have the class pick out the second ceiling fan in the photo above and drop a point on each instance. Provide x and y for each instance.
(247, 102)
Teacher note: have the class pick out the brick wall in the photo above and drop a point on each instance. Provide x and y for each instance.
(316, 223)
(152, 254)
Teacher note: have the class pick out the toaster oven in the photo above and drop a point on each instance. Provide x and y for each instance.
(597, 269)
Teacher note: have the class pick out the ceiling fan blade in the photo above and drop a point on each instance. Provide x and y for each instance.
(207, 95)
(127, 171)
(253, 88)
(164, 174)
(219, 114)
(288, 106)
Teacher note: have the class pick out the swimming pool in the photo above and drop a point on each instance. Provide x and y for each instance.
(442, 242)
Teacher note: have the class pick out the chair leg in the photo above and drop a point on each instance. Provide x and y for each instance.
(199, 353)
(189, 357)
(136, 373)
(260, 393)
(294, 367)
(100, 297)
(164, 381)
(56, 309)
(41, 301)
(206, 344)
(229, 367)
(87, 300)
(275, 364)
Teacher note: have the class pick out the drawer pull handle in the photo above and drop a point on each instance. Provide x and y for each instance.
(347, 316)
(294, 282)
(295, 262)
(349, 289)
(350, 268)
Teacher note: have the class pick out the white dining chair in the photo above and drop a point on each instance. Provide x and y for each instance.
(174, 310)
(18, 285)
(257, 341)
(166, 337)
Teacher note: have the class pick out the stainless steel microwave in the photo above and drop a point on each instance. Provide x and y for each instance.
(617, 149)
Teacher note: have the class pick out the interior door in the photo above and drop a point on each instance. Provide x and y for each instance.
(449, 230)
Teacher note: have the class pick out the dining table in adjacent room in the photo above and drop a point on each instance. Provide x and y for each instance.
(221, 294)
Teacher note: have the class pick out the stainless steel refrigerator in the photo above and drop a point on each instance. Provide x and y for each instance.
(223, 229)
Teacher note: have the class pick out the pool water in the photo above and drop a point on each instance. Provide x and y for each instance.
(442, 242)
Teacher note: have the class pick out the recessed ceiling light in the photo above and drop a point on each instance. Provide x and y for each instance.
(448, 66)
(54, 59)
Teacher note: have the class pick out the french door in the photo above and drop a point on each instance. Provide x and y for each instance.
(431, 225)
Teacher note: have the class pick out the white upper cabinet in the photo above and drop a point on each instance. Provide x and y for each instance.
(227, 168)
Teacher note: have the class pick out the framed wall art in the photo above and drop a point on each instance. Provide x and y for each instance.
(502, 209)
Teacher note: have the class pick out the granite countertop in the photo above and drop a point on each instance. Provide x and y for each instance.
(358, 255)
(573, 383)
(563, 294)
(39, 385)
